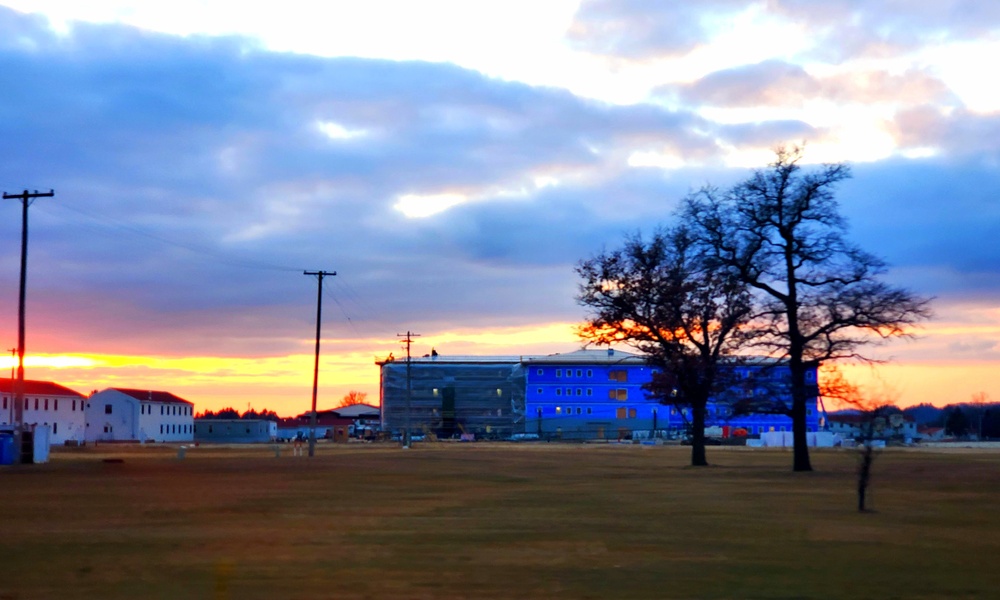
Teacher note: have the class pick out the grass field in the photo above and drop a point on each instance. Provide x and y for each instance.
(497, 521)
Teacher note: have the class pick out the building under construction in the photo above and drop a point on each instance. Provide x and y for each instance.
(448, 396)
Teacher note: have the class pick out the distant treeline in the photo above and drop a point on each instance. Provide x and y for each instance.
(232, 413)
(959, 419)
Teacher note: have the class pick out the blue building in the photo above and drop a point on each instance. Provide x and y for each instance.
(598, 394)
(586, 394)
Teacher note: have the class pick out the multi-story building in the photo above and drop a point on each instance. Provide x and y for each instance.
(121, 414)
(448, 395)
(585, 394)
(47, 404)
(600, 394)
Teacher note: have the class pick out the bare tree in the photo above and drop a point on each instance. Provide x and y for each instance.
(875, 408)
(660, 297)
(352, 397)
(823, 297)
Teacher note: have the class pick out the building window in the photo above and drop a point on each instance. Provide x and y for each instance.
(631, 413)
(36, 403)
(161, 412)
(558, 391)
(810, 376)
(46, 404)
(74, 406)
(617, 375)
(107, 409)
(579, 391)
(210, 429)
(569, 372)
(579, 410)
(55, 404)
(434, 392)
(590, 410)
(539, 372)
(590, 391)
(499, 392)
(809, 412)
(590, 372)
(55, 427)
(621, 413)
(618, 394)
(5, 402)
(539, 391)
(161, 428)
(579, 372)
(558, 372)
(558, 410)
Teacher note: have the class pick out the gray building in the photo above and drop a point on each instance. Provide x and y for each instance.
(234, 431)
(483, 395)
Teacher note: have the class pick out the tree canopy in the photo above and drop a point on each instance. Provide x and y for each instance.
(660, 297)
(821, 297)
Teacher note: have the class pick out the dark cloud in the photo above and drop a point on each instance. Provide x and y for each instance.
(936, 222)
(193, 184)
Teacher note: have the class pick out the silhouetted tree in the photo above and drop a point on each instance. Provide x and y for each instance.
(782, 232)
(351, 398)
(225, 413)
(957, 424)
(875, 410)
(660, 297)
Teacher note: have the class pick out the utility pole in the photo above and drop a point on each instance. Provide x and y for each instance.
(319, 314)
(25, 197)
(13, 362)
(408, 339)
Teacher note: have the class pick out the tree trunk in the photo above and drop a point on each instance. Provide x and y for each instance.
(864, 472)
(801, 461)
(698, 458)
(800, 442)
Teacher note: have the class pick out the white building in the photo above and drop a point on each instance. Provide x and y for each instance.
(120, 414)
(46, 403)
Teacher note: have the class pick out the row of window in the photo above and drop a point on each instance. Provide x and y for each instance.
(147, 409)
(622, 412)
(41, 403)
(165, 429)
(613, 394)
(613, 374)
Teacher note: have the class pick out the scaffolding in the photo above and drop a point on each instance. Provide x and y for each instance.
(480, 396)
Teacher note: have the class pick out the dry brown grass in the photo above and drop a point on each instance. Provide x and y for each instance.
(496, 521)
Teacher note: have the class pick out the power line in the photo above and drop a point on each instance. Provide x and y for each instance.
(220, 257)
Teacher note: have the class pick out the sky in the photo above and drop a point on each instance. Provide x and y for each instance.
(452, 161)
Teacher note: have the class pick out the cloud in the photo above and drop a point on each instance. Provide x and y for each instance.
(196, 178)
(839, 30)
(638, 29)
(193, 184)
(956, 132)
(776, 83)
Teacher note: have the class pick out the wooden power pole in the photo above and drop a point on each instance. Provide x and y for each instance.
(319, 319)
(18, 396)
